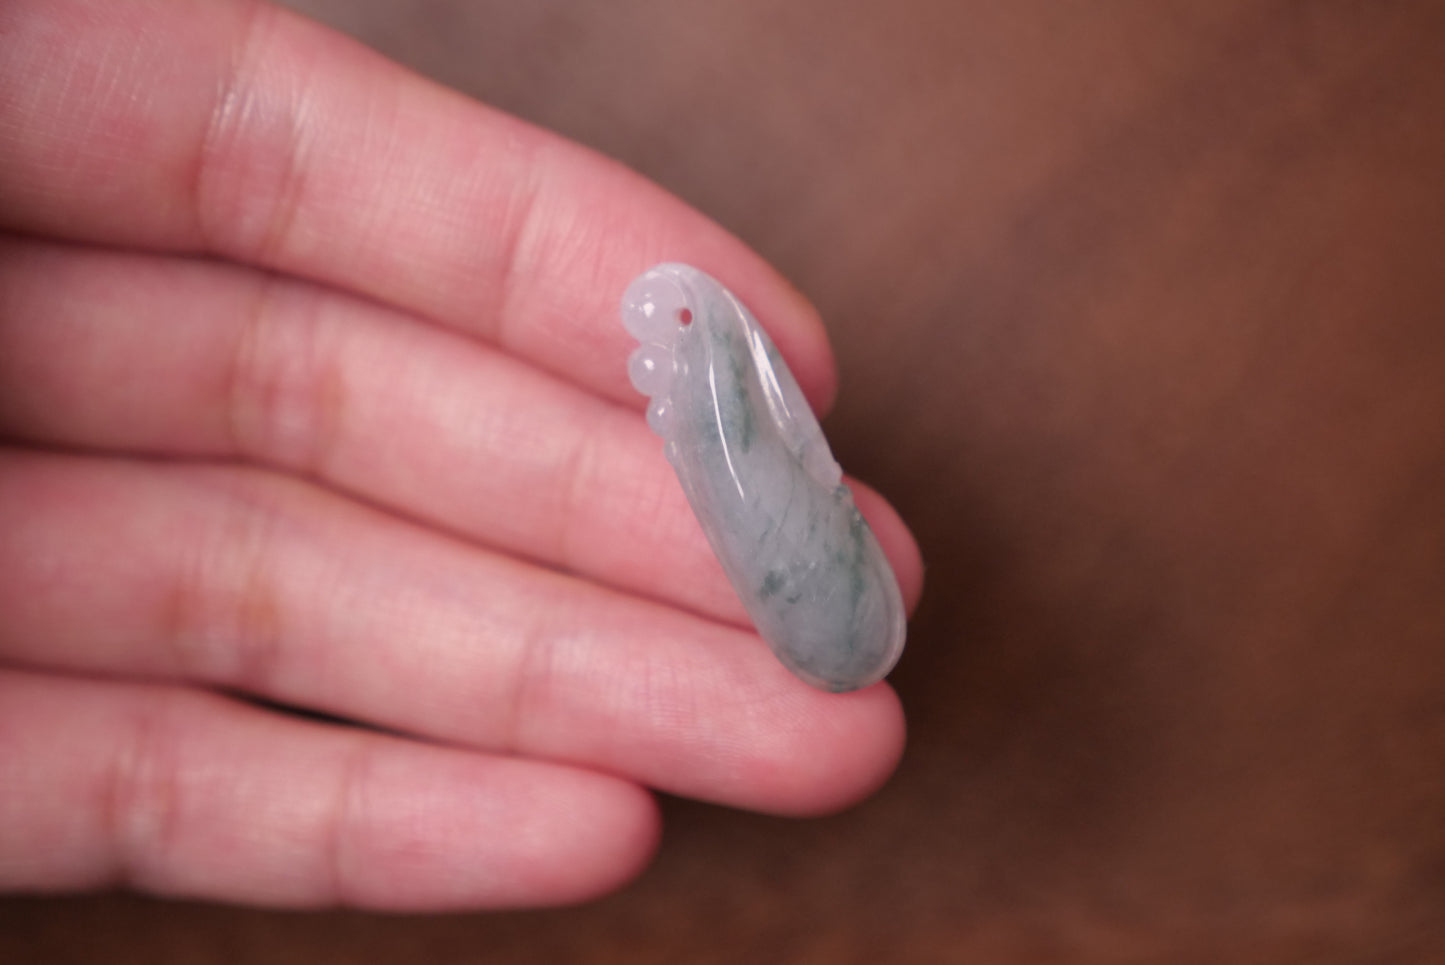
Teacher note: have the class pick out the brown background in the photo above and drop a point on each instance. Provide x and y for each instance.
(1140, 312)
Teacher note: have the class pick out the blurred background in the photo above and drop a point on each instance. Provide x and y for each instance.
(1140, 314)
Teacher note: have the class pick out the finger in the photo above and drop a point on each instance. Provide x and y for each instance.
(247, 580)
(176, 357)
(183, 793)
(107, 350)
(239, 129)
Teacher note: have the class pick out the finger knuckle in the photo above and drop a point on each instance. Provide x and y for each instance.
(288, 393)
(250, 166)
(227, 602)
(144, 800)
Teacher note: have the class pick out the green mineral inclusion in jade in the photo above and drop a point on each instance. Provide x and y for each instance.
(761, 480)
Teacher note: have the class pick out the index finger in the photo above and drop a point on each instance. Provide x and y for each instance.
(239, 129)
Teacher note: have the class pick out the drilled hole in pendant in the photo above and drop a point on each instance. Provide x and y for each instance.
(684, 316)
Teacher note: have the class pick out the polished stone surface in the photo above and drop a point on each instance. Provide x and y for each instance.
(762, 481)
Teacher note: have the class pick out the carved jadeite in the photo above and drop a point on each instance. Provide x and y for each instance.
(762, 481)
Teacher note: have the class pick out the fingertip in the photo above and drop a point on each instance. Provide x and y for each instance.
(849, 748)
(866, 745)
(621, 836)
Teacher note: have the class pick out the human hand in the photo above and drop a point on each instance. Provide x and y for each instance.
(312, 391)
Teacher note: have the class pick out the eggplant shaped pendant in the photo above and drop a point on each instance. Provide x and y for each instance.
(762, 481)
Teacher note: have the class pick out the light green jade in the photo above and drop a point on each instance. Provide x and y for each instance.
(762, 481)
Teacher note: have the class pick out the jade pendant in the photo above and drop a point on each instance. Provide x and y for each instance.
(762, 481)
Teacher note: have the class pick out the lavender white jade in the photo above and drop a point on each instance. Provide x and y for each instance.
(762, 481)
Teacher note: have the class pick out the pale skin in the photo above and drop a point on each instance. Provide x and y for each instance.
(312, 390)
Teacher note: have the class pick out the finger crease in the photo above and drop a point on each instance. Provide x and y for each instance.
(517, 259)
(345, 818)
(580, 496)
(533, 666)
(141, 792)
(249, 169)
(226, 612)
(286, 392)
